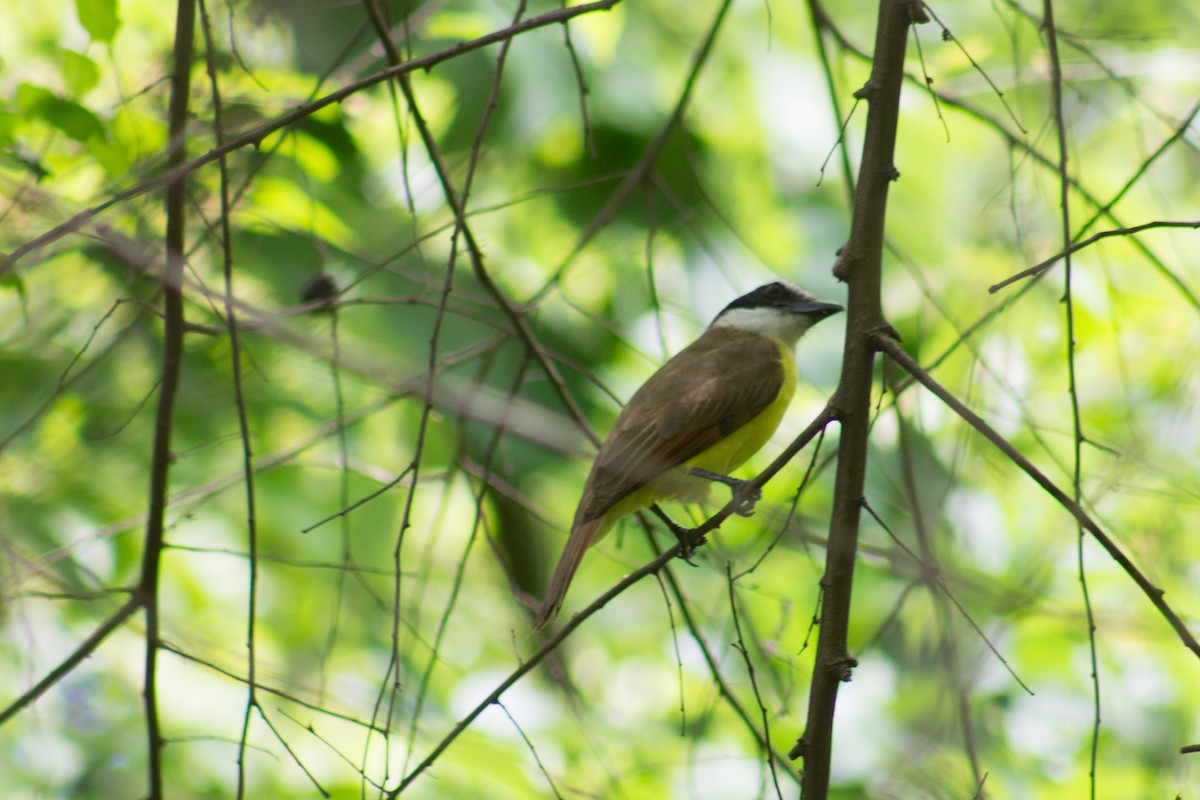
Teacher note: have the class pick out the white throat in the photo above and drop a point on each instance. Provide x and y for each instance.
(770, 322)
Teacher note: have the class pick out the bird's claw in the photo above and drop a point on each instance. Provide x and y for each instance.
(688, 540)
(746, 497)
(745, 494)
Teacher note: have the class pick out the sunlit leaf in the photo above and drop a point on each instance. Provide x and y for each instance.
(99, 18)
(79, 71)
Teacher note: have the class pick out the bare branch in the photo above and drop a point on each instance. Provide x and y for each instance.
(255, 136)
(1039, 268)
(860, 265)
(649, 157)
(85, 649)
(172, 368)
(815, 427)
(906, 362)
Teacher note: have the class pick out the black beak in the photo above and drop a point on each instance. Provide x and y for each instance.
(816, 309)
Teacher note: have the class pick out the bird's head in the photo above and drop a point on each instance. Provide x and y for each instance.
(781, 310)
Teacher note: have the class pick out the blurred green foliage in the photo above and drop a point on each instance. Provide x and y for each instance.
(399, 541)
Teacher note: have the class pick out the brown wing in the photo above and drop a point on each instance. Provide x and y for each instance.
(699, 397)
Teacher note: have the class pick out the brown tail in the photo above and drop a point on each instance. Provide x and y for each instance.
(581, 538)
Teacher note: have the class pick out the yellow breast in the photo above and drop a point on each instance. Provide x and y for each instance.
(733, 451)
(723, 457)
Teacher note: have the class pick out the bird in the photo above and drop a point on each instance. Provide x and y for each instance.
(694, 421)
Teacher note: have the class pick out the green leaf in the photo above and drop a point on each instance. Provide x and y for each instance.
(79, 72)
(68, 116)
(12, 280)
(98, 18)
(71, 118)
(8, 123)
(13, 159)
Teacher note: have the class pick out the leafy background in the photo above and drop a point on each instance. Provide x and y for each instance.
(407, 514)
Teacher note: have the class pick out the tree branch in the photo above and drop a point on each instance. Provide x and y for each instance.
(85, 649)
(807, 435)
(172, 366)
(253, 137)
(906, 362)
(860, 265)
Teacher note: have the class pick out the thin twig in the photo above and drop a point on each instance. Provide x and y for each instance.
(318, 708)
(85, 649)
(740, 646)
(724, 690)
(235, 346)
(821, 21)
(1155, 594)
(950, 37)
(253, 137)
(532, 750)
(295, 756)
(640, 171)
(1064, 197)
(1075, 247)
(931, 575)
(1019, 144)
(311, 730)
(580, 79)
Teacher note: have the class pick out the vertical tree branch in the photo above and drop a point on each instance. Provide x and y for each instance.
(172, 287)
(1064, 198)
(235, 348)
(860, 267)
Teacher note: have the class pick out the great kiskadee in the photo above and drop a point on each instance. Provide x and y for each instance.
(708, 409)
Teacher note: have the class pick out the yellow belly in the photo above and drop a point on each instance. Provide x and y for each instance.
(723, 458)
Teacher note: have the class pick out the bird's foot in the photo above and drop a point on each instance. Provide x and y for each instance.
(745, 494)
(689, 541)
